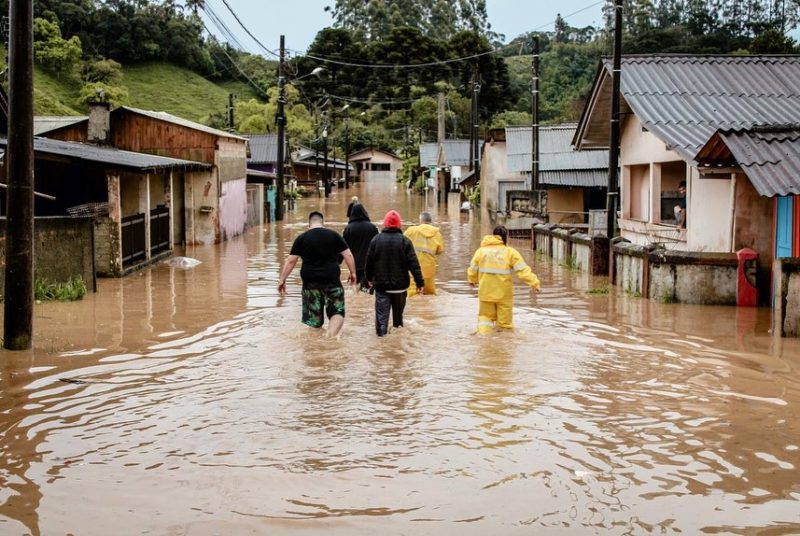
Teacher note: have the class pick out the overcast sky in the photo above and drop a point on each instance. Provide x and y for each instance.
(300, 20)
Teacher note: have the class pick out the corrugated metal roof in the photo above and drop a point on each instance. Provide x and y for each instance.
(48, 123)
(559, 163)
(428, 154)
(110, 156)
(770, 158)
(685, 99)
(164, 116)
(456, 152)
(264, 148)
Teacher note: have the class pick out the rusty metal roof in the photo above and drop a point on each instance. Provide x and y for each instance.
(559, 163)
(264, 148)
(109, 156)
(770, 157)
(684, 99)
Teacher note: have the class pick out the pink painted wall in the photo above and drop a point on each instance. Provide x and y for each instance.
(232, 208)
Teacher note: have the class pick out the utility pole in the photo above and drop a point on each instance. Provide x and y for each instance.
(281, 120)
(440, 132)
(476, 89)
(472, 125)
(230, 112)
(535, 117)
(326, 177)
(18, 305)
(346, 111)
(613, 146)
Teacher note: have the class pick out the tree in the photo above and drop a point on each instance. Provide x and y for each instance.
(53, 51)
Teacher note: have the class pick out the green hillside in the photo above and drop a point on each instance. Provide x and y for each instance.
(153, 86)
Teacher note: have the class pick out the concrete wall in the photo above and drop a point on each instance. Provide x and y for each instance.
(232, 209)
(672, 276)
(709, 201)
(201, 208)
(786, 292)
(578, 250)
(108, 248)
(231, 159)
(63, 249)
(494, 165)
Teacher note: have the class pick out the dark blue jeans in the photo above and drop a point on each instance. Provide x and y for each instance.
(385, 302)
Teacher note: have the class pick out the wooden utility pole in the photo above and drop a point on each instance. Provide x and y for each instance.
(535, 117)
(231, 122)
(476, 151)
(440, 131)
(281, 120)
(18, 305)
(613, 146)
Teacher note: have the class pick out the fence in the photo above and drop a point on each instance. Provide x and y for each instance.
(133, 239)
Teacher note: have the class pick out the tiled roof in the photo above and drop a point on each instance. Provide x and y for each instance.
(559, 163)
(684, 99)
(264, 148)
(769, 157)
(48, 123)
(110, 156)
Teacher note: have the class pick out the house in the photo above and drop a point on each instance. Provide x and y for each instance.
(309, 167)
(209, 204)
(770, 159)
(671, 106)
(129, 195)
(375, 165)
(453, 160)
(262, 154)
(575, 181)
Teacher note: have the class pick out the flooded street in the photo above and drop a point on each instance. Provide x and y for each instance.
(194, 402)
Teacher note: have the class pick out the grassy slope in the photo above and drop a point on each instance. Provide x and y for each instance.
(154, 86)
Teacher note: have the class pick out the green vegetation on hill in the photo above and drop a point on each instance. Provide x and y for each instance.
(152, 86)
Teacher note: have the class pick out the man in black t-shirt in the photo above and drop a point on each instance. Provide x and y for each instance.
(322, 286)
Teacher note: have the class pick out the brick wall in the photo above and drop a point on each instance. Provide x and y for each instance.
(63, 247)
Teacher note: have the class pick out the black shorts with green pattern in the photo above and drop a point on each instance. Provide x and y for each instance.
(316, 300)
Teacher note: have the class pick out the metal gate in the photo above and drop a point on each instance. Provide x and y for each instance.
(133, 239)
(159, 229)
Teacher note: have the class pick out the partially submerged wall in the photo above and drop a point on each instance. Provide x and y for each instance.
(63, 249)
(786, 281)
(676, 276)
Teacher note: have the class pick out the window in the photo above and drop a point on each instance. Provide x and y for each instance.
(638, 193)
(376, 166)
(671, 175)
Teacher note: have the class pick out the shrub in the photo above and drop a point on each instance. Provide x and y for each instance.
(72, 290)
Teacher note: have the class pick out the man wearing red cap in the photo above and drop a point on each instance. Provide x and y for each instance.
(390, 258)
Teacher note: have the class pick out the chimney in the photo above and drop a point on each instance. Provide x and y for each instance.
(99, 130)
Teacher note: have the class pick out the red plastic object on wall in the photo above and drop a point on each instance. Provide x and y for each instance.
(746, 288)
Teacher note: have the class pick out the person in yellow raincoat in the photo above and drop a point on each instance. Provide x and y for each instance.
(492, 269)
(428, 243)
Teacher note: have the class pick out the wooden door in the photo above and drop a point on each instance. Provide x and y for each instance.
(784, 221)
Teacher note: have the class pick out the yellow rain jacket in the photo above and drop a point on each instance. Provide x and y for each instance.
(428, 243)
(493, 267)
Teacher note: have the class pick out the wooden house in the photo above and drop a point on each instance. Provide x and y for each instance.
(210, 204)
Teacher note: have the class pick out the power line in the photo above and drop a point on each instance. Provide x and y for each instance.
(439, 62)
(253, 37)
(252, 82)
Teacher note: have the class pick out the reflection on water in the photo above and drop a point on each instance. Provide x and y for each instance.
(194, 402)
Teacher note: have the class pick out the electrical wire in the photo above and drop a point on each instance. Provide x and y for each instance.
(253, 37)
(250, 80)
(439, 62)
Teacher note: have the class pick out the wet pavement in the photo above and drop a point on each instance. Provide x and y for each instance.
(193, 401)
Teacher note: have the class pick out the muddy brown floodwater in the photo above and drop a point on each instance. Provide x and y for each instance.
(180, 401)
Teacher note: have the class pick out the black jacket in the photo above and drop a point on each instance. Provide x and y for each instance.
(358, 234)
(389, 259)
